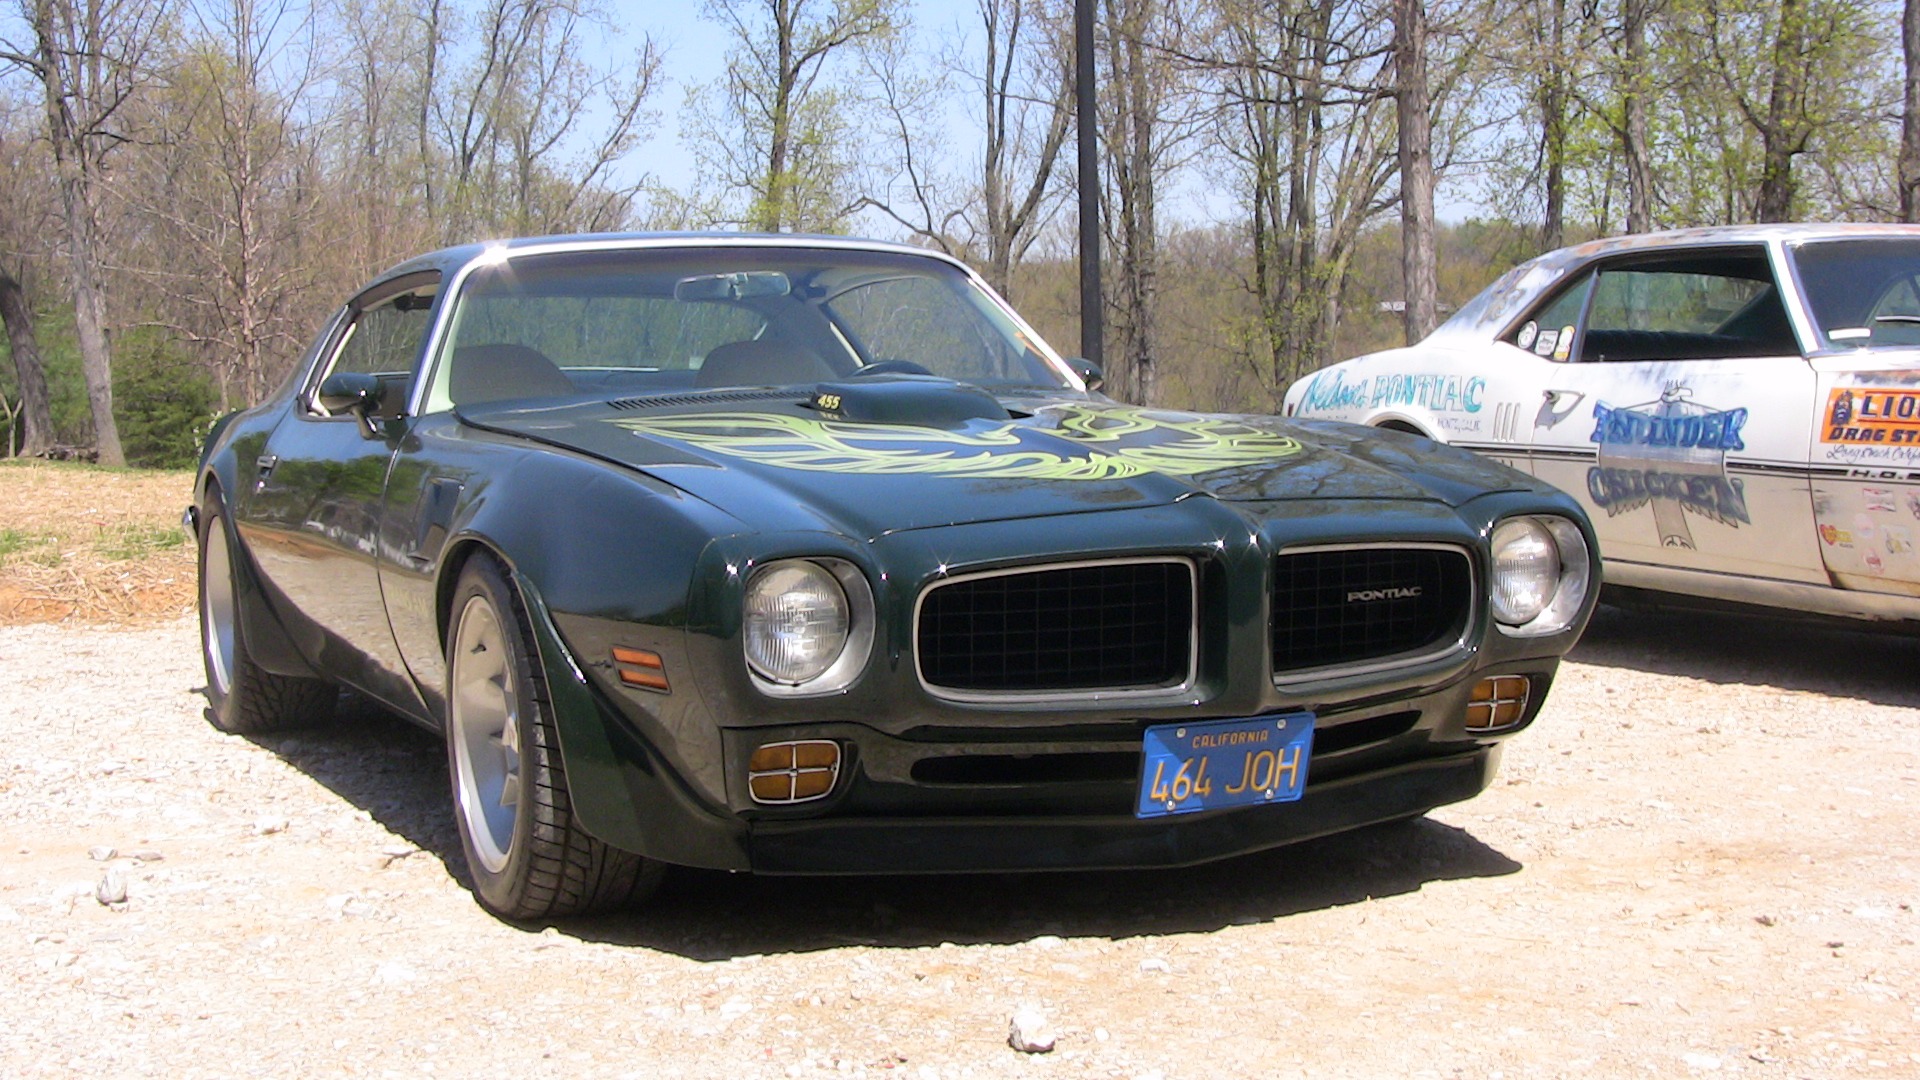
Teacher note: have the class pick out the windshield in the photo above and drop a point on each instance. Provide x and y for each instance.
(1863, 293)
(644, 321)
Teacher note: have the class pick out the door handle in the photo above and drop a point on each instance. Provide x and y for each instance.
(265, 463)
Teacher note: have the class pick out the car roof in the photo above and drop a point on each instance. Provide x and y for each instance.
(1737, 234)
(1492, 310)
(450, 259)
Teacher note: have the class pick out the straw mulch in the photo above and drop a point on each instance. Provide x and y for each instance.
(85, 544)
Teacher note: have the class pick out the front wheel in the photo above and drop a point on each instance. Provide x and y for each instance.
(528, 858)
(243, 697)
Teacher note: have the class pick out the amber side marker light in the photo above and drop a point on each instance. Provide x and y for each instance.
(641, 668)
(793, 772)
(1497, 702)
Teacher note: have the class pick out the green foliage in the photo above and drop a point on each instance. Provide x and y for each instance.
(162, 400)
(12, 540)
(137, 540)
(66, 387)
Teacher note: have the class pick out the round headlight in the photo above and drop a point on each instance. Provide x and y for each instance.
(796, 623)
(1526, 570)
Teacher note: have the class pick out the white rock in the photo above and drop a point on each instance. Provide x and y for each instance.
(392, 973)
(1047, 941)
(103, 853)
(1703, 1062)
(267, 826)
(113, 886)
(1029, 1031)
(1154, 964)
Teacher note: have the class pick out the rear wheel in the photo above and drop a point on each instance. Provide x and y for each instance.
(528, 858)
(243, 697)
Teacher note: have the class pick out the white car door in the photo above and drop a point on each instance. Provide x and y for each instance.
(1863, 299)
(1678, 413)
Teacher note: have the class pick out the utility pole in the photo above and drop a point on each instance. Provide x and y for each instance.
(1087, 120)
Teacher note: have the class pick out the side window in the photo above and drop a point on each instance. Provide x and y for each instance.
(383, 340)
(1550, 332)
(1701, 308)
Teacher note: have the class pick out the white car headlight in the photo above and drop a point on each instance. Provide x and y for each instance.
(1541, 573)
(808, 625)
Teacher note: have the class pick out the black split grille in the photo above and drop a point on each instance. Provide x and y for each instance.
(1103, 626)
(1355, 605)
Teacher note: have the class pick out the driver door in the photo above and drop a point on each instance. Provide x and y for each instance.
(1676, 413)
(312, 520)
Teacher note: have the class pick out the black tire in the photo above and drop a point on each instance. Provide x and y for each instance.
(527, 857)
(242, 697)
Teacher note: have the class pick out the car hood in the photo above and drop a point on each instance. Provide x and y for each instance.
(875, 456)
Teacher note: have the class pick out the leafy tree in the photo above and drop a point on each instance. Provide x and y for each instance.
(166, 402)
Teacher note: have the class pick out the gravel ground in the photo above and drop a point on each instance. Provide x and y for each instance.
(1702, 860)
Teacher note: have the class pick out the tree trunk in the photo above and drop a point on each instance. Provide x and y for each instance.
(76, 181)
(28, 371)
(1416, 169)
(1553, 129)
(1910, 119)
(1781, 137)
(1634, 137)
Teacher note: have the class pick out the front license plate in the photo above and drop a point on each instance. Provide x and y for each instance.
(1220, 763)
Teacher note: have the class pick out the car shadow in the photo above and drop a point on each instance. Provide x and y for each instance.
(708, 916)
(380, 763)
(1725, 647)
(397, 774)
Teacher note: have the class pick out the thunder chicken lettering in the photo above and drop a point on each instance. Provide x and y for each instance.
(1711, 430)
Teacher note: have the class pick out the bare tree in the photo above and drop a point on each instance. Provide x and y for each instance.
(1144, 123)
(770, 129)
(1418, 272)
(35, 411)
(502, 126)
(224, 192)
(1634, 92)
(1023, 82)
(26, 215)
(1909, 177)
(90, 58)
(1306, 90)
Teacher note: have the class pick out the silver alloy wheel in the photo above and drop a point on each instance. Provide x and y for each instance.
(216, 607)
(484, 724)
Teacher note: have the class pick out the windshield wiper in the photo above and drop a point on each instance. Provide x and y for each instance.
(1897, 318)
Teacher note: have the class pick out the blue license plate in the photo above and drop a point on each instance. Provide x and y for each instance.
(1216, 764)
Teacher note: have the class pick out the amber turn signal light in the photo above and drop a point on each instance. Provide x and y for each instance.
(793, 772)
(1497, 702)
(638, 667)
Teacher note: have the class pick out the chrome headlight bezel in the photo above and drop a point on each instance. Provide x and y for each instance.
(1569, 593)
(838, 671)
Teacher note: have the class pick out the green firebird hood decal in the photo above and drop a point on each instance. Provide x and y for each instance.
(1119, 442)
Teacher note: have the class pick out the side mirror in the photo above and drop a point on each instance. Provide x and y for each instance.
(1089, 373)
(351, 393)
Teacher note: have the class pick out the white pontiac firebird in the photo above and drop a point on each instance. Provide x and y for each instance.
(1738, 408)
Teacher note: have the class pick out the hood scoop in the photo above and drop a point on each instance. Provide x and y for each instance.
(919, 400)
(698, 397)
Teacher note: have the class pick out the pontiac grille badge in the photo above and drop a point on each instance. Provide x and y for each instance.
(1367, 596)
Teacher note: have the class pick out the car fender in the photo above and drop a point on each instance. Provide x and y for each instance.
(600, 556)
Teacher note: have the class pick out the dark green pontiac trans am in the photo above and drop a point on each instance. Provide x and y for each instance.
(803, 555)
